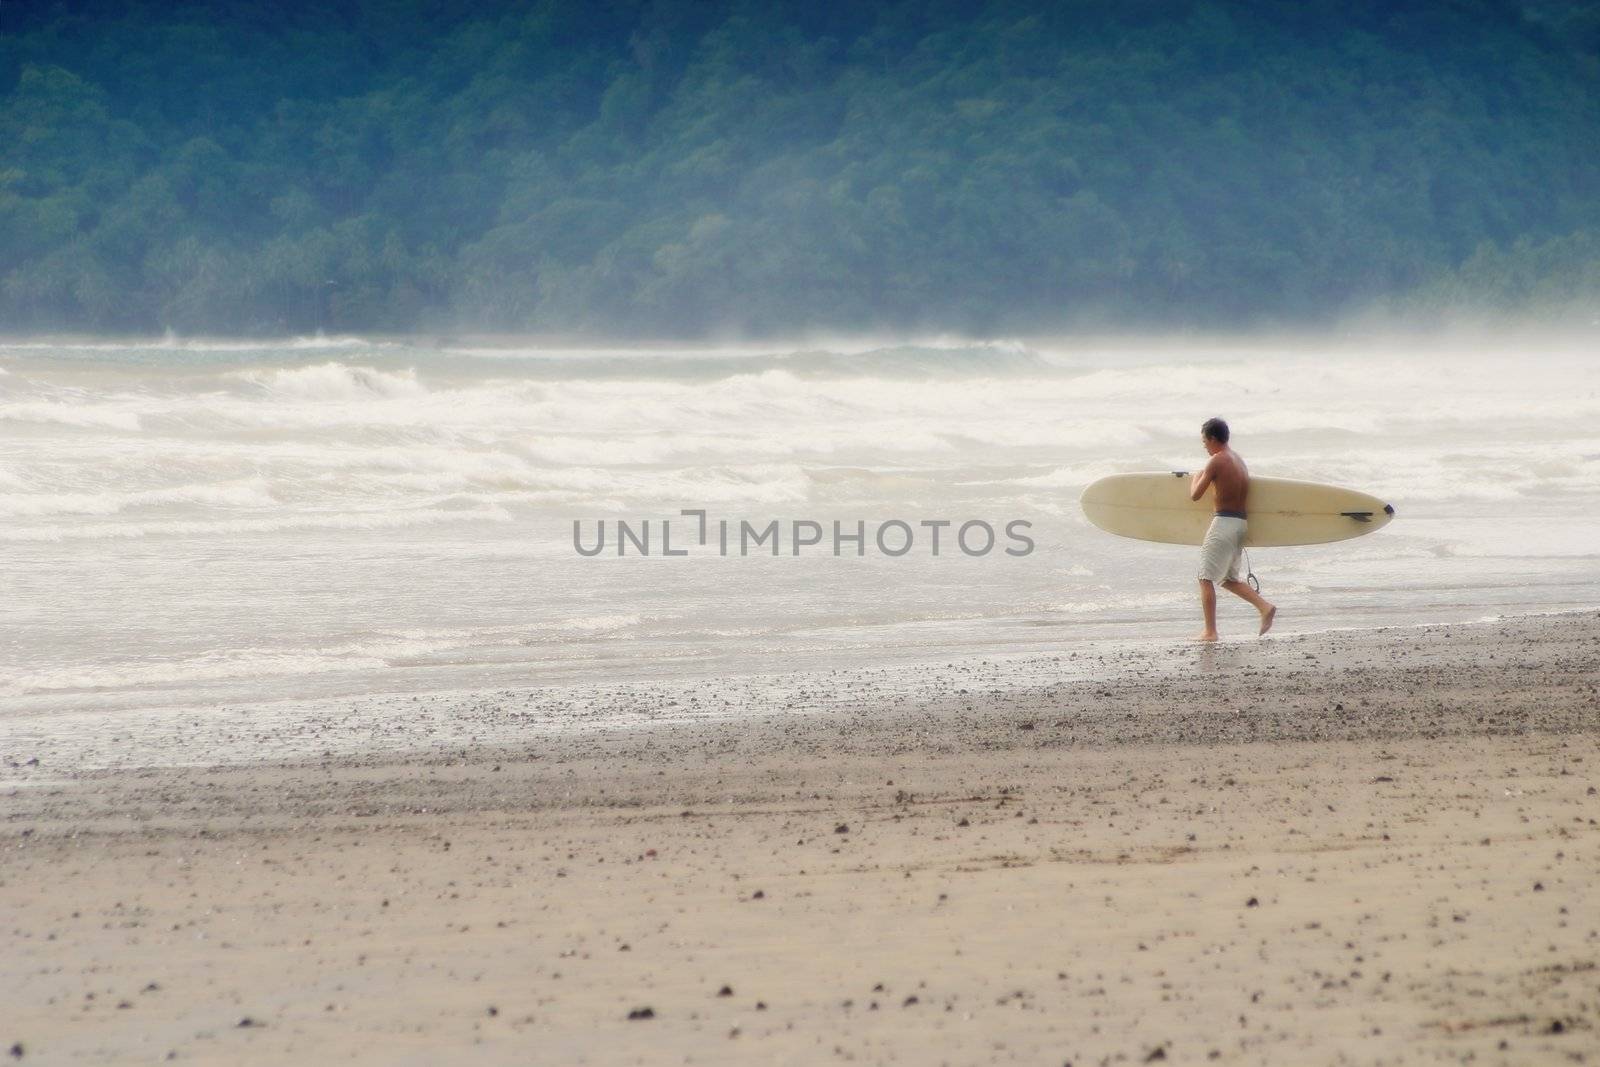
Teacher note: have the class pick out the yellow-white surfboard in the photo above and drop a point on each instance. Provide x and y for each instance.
(1156, 507)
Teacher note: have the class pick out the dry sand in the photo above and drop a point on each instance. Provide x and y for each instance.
(1360, 848)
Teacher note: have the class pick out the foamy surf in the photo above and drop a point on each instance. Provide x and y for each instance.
(191, 520)
(228, 527)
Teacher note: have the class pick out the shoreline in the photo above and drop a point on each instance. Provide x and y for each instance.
(405, 724)
(1032, 870)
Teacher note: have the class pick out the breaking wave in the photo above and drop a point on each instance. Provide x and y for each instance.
(335, 381)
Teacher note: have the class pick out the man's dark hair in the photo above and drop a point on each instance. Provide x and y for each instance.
(1215, 429)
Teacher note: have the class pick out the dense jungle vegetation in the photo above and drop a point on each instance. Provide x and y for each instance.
(702, 167)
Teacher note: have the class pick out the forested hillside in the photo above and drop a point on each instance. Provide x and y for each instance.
(695, 167)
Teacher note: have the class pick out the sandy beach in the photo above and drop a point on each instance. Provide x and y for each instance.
(1348, 847)
(685, 534)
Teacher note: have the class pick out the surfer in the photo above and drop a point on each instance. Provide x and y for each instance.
(1224, 544)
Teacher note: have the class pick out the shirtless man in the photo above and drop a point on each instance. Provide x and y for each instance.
(1224, 543)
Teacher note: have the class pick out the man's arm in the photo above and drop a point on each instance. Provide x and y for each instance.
(1202, 479)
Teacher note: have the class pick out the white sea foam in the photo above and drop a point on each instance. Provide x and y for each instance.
(221, 664)
(598, 623)
(252, 494)
(391, 649)
(230, 527)
(1112, 600)
(335, 381)
(235, 663)
(89, 416)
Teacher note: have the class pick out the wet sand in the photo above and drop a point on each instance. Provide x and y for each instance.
(1363, 847)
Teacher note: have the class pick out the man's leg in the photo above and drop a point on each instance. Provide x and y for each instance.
(1208, 605)
(1268, 611)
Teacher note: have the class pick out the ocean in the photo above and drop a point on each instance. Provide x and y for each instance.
(190, 524)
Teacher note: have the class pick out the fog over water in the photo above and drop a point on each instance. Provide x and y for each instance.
(185, 523)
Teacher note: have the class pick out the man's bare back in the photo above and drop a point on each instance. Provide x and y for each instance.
(1228, 477)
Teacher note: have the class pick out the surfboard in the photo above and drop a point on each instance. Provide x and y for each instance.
(1156, 507)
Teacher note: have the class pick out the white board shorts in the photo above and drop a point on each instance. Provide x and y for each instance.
(1222, 549)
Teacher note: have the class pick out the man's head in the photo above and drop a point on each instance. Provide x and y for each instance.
(1214, 434)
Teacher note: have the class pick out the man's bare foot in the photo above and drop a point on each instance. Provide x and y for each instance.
(1209, 635)
(1266, 619)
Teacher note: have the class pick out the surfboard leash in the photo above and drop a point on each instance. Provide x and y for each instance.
(1249, 574)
